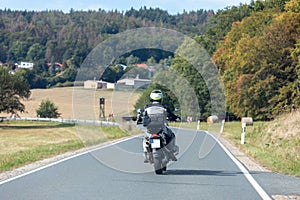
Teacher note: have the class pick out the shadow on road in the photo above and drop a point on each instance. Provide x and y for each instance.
(202, 172)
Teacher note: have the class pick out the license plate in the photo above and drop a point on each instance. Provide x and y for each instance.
(155, 143)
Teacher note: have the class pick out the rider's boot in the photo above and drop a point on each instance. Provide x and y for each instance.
(176, 150)
(171, 156)
(146, 157)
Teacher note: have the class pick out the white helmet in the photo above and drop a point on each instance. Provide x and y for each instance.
(156, 95)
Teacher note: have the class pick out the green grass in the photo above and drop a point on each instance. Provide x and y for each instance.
(114, 132)
(21, 158)
(92, 135)
(24, 142)
(273, 152)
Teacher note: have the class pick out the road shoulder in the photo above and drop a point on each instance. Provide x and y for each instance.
(279, 186)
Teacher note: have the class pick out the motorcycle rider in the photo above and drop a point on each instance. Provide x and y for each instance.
(155, 121)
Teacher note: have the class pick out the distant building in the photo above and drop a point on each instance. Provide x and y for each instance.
(91, 84)
(25, 65)
(133, 83)
(142, 65)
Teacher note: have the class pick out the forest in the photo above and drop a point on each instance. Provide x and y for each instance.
(67, 38)
(255, 47)
(258, 60)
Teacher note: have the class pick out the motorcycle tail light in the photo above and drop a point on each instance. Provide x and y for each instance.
(155, 135)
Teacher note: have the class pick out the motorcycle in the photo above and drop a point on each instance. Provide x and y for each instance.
(159, 154)
(158, 144)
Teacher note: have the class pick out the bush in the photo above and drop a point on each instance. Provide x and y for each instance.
(47, 109)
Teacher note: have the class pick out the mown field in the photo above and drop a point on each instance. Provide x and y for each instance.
(74, 101)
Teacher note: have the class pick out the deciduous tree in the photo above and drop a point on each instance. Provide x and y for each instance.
(13, 88)
(47, 109)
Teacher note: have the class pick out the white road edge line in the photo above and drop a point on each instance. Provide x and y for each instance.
(65, 159)
(246, 173)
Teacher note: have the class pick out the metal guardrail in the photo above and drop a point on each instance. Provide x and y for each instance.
(66, 121)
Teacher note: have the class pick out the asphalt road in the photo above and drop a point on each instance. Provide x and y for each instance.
(203, 171)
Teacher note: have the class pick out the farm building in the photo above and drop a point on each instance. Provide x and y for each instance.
(25, 65)
(132, 83)
(90, 84)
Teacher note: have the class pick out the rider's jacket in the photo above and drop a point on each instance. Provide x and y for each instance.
(154, 117)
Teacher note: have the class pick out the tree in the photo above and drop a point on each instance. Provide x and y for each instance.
(112, 73)
(258, 61)
(12, 89)
(47, 109)
(18, 51)
(70, 74)
(131, 60)
(28, 75)
(220, 24)
(169, 100)
(195, 83)
(292, 6)
(36, 52)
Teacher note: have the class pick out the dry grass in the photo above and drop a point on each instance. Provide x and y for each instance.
(86, 103)
(23, 136)
(61, 97)
(286, 126)
(80, 102)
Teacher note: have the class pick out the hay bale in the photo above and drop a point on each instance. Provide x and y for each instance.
(247, 120)
(212, 119)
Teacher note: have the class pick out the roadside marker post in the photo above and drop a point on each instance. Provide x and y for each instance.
(243, 133)
(222, 126)
(198, 125)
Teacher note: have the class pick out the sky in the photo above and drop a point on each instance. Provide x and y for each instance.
(172, 6)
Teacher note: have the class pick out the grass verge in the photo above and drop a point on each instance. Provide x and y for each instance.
(279, 154)
(21, 158)
(273, 150)
(24, 142)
